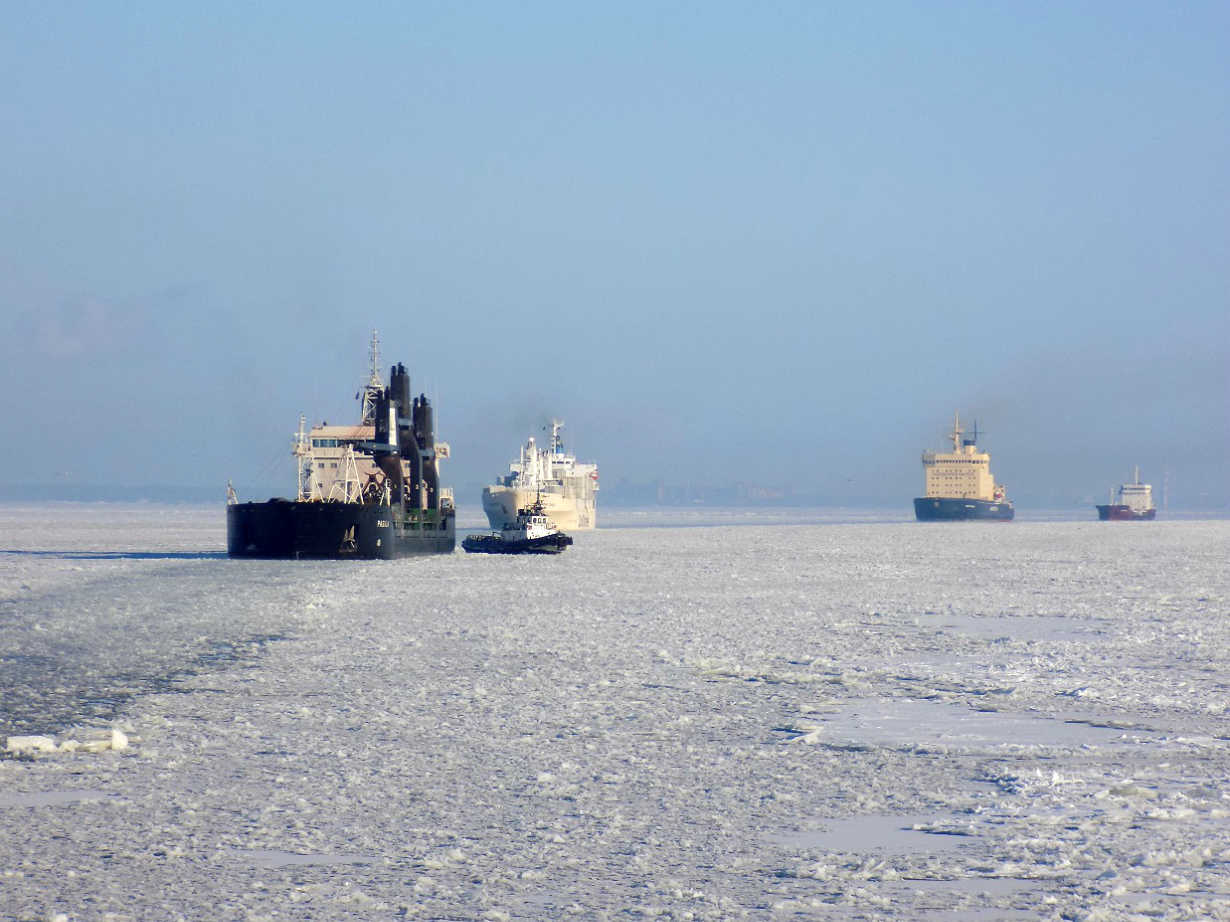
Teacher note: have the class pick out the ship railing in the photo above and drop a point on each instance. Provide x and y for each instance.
(428, 519)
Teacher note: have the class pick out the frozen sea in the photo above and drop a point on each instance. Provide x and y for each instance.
(690, 716)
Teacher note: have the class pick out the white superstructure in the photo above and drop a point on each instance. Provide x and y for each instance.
(963, 473)
(1137, 496)
(531, 523)
(551, 476)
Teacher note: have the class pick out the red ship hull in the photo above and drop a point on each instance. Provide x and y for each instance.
(1113, 512)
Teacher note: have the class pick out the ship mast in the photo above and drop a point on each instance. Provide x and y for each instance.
(373, 389)
(301, 448)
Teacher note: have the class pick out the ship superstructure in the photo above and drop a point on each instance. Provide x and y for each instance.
(1134, 504)
(368, 490)
(959, 483)
(551, 476)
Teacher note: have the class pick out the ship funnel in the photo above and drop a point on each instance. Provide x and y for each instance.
(399, 389)
(424, 422)
(425, 435)
(381, 417)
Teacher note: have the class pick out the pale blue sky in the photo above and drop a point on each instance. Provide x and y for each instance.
(724, 241)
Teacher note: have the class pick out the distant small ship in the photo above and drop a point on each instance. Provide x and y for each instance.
(370, 490)
(550, 476)
(959, 484)
(1135, 503)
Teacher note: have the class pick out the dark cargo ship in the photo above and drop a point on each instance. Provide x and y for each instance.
(959, 484)
(366, 491)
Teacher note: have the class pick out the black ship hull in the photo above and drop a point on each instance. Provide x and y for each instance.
(286, 530)
(494, 544)
(947, 509)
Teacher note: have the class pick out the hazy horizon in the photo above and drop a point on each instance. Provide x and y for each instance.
(724, 242)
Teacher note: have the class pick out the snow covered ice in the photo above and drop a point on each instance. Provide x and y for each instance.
(808, 719)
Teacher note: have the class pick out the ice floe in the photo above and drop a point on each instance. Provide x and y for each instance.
(837, 719)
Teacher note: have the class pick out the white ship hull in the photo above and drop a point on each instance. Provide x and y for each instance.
(567, 513)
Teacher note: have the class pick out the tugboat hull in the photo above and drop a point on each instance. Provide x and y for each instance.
(494, 544)
(947, 509)
(286, 530)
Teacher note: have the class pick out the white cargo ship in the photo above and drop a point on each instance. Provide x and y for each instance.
(550, 476)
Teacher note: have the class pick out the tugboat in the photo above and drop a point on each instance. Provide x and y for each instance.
(532, 533)
(1135, 503)
(366, 491)
(959, 484)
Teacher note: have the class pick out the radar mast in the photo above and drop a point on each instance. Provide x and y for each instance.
(374, 387)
